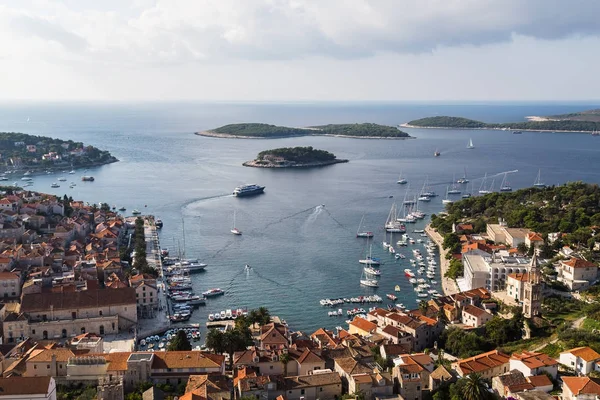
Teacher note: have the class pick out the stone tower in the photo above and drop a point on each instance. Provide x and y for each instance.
(532, 291)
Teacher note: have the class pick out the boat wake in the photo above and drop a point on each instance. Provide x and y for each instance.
(218, 196)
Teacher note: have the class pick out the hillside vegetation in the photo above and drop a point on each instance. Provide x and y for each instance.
(298, 154)
(273, 131)
(465, 123)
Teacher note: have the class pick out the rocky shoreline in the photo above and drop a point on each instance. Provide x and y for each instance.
(228, 136)
(489, 129)
(263, 164)
(37, 170)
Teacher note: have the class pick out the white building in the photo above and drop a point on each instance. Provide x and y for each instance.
(580, 359)
(532, 364)
(492, 272)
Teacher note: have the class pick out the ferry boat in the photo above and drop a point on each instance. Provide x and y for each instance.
(213, 292)
(248, 190)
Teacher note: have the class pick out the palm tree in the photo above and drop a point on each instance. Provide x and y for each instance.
(215, 340)
(284, 358)
(423, 306)
(474, 388)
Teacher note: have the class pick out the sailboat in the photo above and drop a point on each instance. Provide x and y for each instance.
(363, 234)
(423, 195)
(482, 188)
(447, 200)
(368, 281)
(538, 180)
(401, 180)
(370, 260)
(392, 224)
(505, 185)
(464, 179)
(470, 145)
(454, 189)
(468, 194)
(235, 230)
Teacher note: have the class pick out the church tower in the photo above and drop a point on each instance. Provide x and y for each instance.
(532, 290)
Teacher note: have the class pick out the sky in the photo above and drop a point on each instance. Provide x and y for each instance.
(300, 50)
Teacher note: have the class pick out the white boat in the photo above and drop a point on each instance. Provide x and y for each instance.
(62, 179)
(392, 224)
(235, 230)
(482, 187)
(436, 153)
(447, 200)
(369, 260)
(372, 271)
(401, 180)
(454, 189)
(470, 145)
(136, 212)
(505, 186)
(361, 233)
(367, 281)
(55, 185)
(538, 180)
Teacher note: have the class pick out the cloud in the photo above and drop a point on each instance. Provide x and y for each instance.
(221, 31)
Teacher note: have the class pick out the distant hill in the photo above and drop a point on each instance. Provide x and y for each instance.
(585, 121)
(265, 131)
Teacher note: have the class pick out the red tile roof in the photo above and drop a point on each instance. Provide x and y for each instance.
(482, 362)
(363, 324)
(578, 263)
(582, 385)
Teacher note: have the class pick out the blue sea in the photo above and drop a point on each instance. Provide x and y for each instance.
(300, 252)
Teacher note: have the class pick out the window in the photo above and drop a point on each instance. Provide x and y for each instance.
(100, 312)
(302, 391)
(270, 367)
(320, 389)
(48, 366)
(419, 387)
(33, 331)
(34, 366)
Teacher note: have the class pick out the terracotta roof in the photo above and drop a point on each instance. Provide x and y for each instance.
(6, 275)
(534, 237)
(441, 373)
(363, 324)
(350, 366)
(522, 277)
(62, 355)
(476, 311)
(117, 361)
(582, 385)
(309, 357)
(482, 362)
(578, 263)
(392, 350)
(322, 379)
(362, 378)
(539, 380)
(534, 360)
(186, 359)
(19, 386)
(38, 302)
(585, 353)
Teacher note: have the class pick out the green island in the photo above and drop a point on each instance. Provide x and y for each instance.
(565, 216)
(266, 131)
(37, 153)
(585, 121)
(293, 157)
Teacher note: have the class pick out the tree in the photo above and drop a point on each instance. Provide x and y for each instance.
(180, 342)
(423, 306)
(215, 340)
(284, 358)
(475, 388)
(522, 248)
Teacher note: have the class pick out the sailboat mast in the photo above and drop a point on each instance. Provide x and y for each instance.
(183, 233)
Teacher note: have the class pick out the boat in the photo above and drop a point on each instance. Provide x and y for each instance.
(213, 292)
(372, 271)
(595, 133)
(392, 224)
(517, 132)
(538, 180)
(482, 188)
(464, 179)
(235, 230)
(368, 281)
(369, 260)
(470, 145)
(87, 178)
(397, 288)
(62, 179)
(158, 223)
(248, 190)
(436, 153)
(505, 186)
(122, 209)
(408, 273)
(401, 180)
(72, 171)
(391, 296)
(363, 234)
(26, 178)
(136, 212)
(55, 185)
(454, 189)
(447, 200)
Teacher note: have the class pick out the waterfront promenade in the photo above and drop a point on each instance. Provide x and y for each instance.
(449, 286)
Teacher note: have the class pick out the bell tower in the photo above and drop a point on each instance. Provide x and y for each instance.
(532, 290)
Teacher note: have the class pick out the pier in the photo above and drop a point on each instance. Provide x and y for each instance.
(449, 286)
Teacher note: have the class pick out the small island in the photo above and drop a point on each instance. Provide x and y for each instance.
(293, 157)
(40, 153)
(585, 121)
(266, 131)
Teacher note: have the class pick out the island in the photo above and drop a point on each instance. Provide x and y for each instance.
(585, 121)
(293, 157)
(266, 131)
(20, 151)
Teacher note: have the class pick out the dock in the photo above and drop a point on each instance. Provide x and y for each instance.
(449, 286)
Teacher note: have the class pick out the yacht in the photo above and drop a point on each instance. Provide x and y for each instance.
(368, 282)
(55, 185)
(136, 212)
(372, 271)
(213, 292)
(72, 171)
(538, 181)
(505, 186)
(248, 190)
(122, 209)
(470, 145)
(401, 180)
(62, 179)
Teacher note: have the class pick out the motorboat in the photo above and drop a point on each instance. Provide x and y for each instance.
(55, 185)
(136, 212)
(62, 179)
(391, 296)
(213, 292)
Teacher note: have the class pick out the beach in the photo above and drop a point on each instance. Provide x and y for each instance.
(449, 286)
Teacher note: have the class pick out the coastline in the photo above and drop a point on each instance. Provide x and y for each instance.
(37, 170)
(449, 286)
(253, 163)
(406, 125)
(228, 136)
